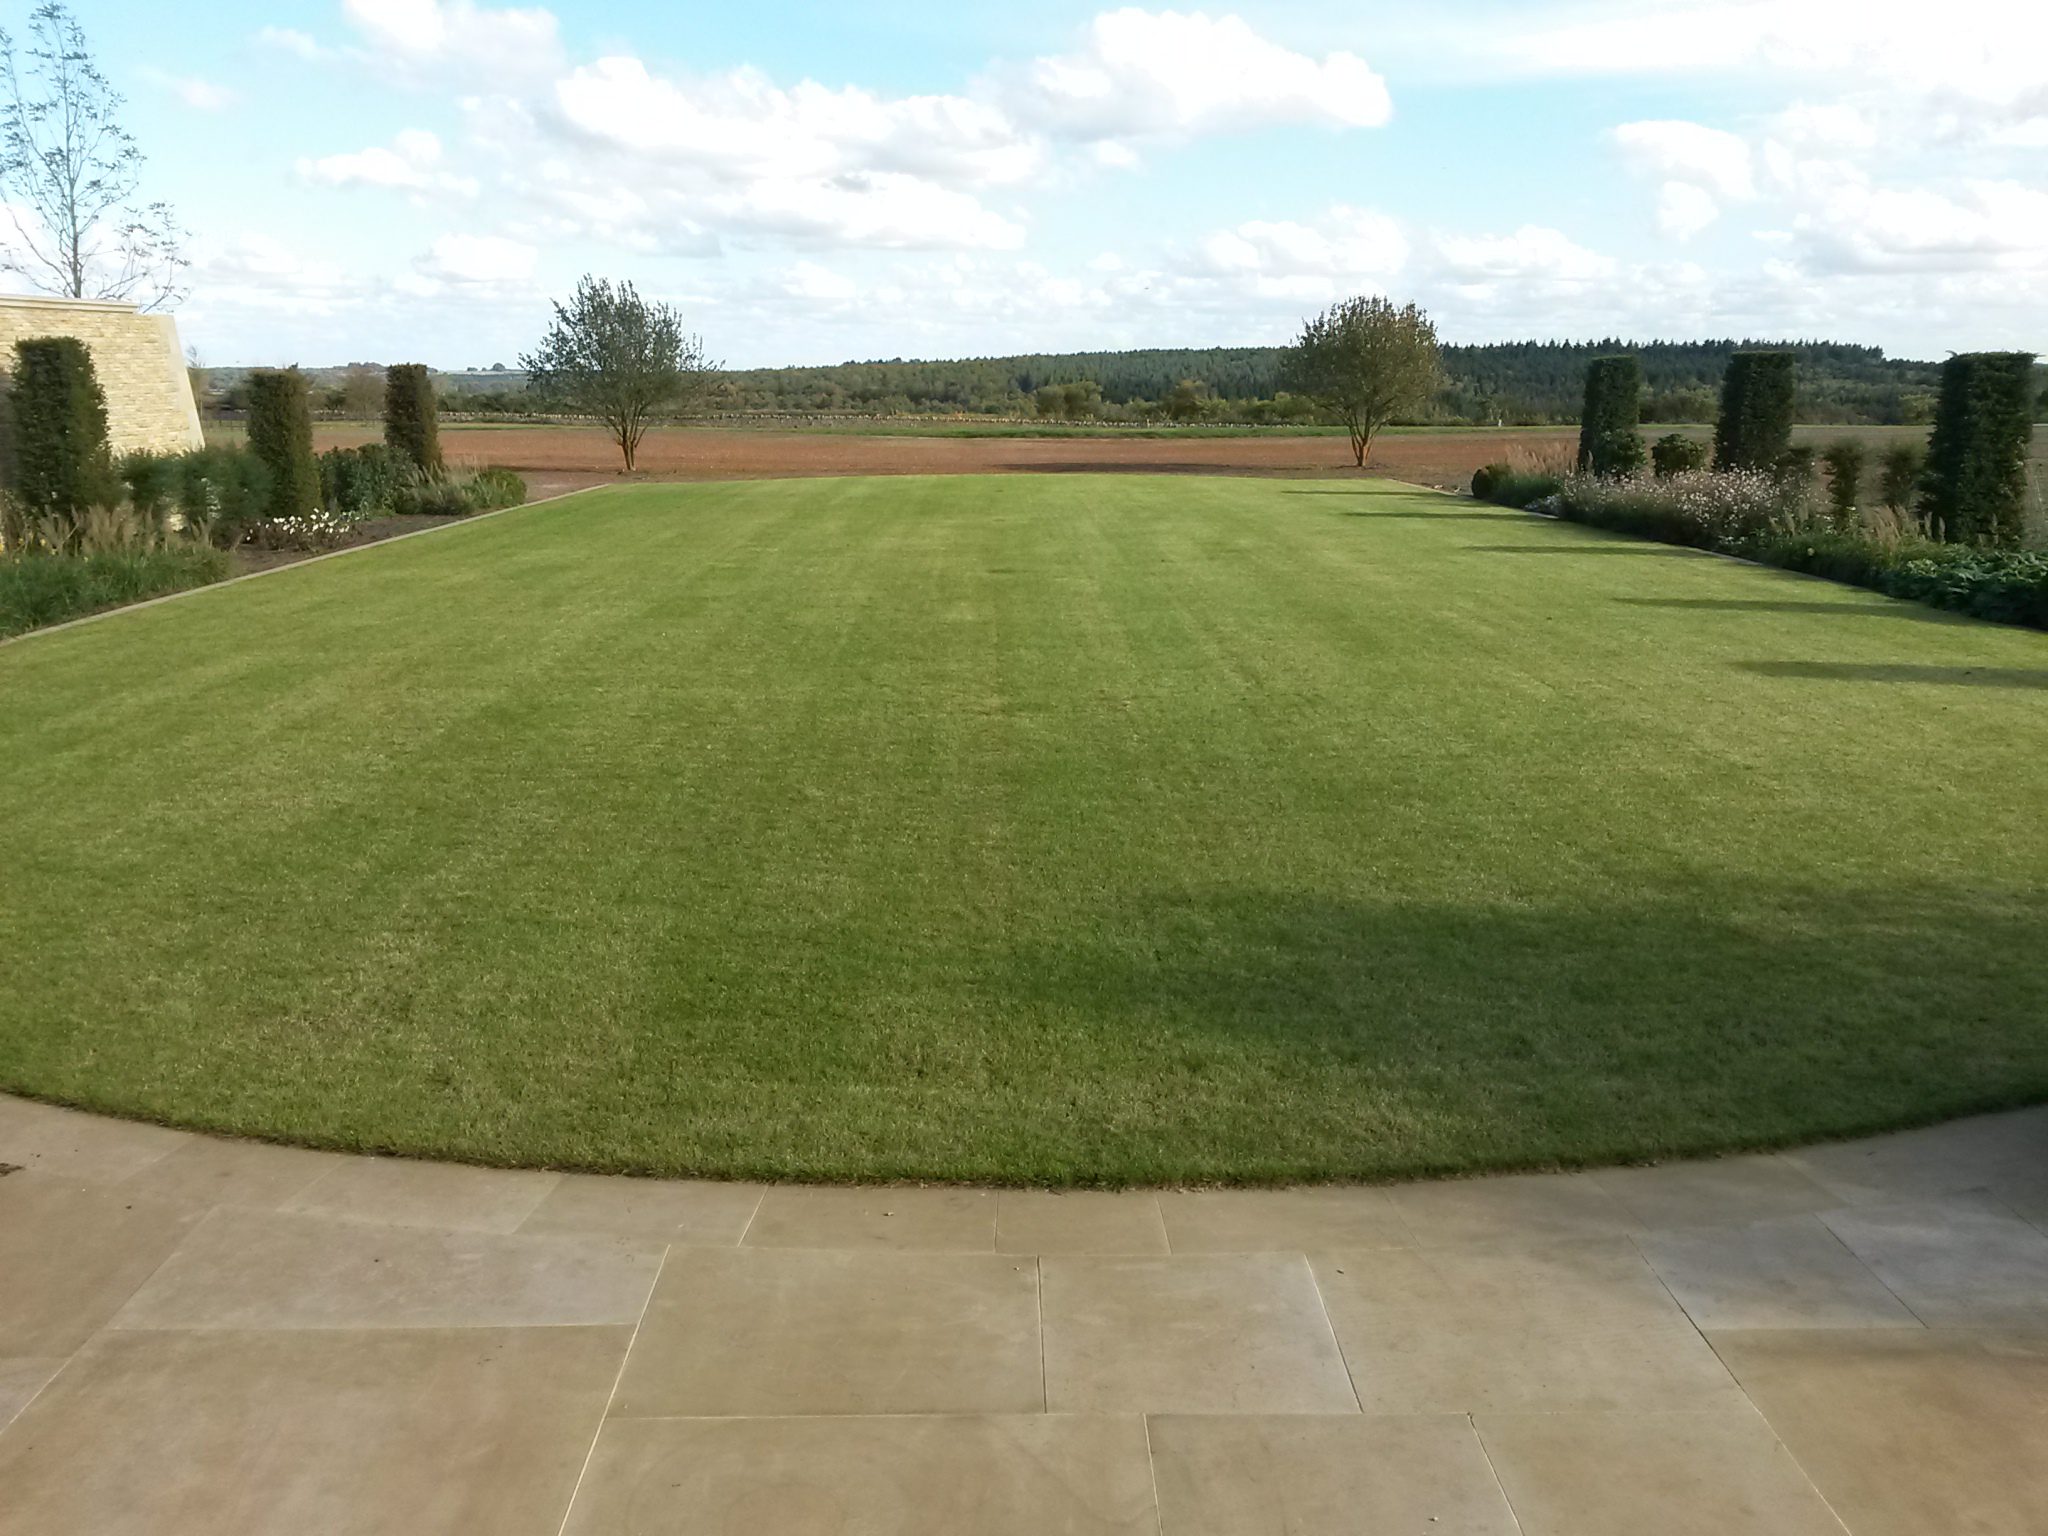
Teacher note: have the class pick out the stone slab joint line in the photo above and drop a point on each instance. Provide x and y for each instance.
(604, 1415)
(1514, 1514)
(1330, 1325)
(1754, 1406)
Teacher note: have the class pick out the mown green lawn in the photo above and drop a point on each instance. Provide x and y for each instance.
(1028, 829)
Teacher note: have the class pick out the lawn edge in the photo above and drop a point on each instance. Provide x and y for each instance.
(293, 565)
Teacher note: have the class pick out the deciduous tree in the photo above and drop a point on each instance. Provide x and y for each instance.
(1366, 361)
(618, 357)
(69, 173)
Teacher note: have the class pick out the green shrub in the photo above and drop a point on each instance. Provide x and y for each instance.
(1799, 464)
(1898, 475)
(222, 493)
(493, 487)
(358, 482)
(281, 435)
(58, 419)
(457, 495)
(1755, 429)
(1609, 444)
(1976, 481)
(1507, 486)
(39, 588)
(153, 481)
(1676, 454)
(412, 428)
(1844, 459)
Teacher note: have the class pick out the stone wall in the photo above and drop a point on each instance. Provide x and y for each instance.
(138, 359)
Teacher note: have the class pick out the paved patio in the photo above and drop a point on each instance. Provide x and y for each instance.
(200, 1336)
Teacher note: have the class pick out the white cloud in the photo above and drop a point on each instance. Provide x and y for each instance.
(743, 125)
(1357, 244)
(458, 35)
(1981, 225)
(1684, 210)
(409, 163)
(1532, 253)
(482, 259)
(1176, 74)
(1706, 157)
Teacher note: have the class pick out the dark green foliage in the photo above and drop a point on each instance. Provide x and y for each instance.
(1507, 486)
(2005, 586)
(281, 435)
(1510, 382)
(153, 481)
(412, 428)
(58, 422)
(358, 482)
(40, 589)
(1608, 442)
(1755, 429)
(1975, 489)
(1898, 475)
(1676, 454)
(219, 492)
(446, 495)
(1844, 460)
(1798, 464)
(223, 492)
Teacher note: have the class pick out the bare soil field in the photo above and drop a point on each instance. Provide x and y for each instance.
(559, 457)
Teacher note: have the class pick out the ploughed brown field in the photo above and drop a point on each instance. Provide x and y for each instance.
(558, 457)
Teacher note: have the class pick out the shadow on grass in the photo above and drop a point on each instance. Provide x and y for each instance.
(1886, 609)
(1411, 1037)
(1901, 672)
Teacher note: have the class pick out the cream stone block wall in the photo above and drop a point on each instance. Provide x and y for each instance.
(138, 359)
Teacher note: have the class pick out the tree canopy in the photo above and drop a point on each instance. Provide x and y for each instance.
(1366, 361)
(618, 357)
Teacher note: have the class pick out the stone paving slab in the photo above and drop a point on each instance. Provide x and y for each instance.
(200, 1335)
(347, 1434)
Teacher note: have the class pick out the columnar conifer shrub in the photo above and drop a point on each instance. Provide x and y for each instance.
(1843, 461)
(1755, 429)
(1608, 443)
(61, 462)
(1676, 454)
(1976, 484)
(1898, 476)
(412, 427)
(281, 435)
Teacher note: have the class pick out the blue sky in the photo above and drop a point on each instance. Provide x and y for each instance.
(389, 179)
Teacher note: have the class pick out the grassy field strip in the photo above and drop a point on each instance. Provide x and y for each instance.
(1048, 830)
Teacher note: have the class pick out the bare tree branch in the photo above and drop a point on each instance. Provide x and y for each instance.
(69, 173)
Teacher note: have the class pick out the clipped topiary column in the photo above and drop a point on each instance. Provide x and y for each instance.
(1608, 442)
(1755, 429)
(412, 427)
(1976, 484)
(281, 435)
(60, 460)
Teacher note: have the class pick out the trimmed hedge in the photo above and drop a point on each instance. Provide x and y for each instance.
(61, 464)
(1755, 429)
(412, 427)
(1844, 459)
(281, 436)
(1976, 485)
(1608, 442)
(1676, 454)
